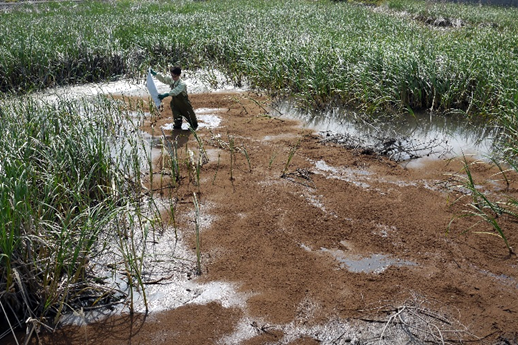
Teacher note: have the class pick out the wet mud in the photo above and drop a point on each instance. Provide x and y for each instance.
(325, 245)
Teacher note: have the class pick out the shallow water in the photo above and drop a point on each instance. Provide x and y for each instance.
(354, 176)
(207, 118)
(428, 136)
(373, 263)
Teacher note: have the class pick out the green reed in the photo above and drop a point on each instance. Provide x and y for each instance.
(70, 172)
(245, 152)
(232, 149)
(487, 210)
(197, 231)
(291, 154)
(272, 158)
(318, 52)
(173, 158)
(217, 169)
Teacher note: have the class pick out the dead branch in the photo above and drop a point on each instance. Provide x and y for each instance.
(396, 149)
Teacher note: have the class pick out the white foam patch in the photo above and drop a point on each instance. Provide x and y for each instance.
(204, 121)
(222, 292)
(242, 331)
(169, 126)
(168, 273)
(197, 82)
(208, 121)
(353, 176)
(176, 294)
(122, 87)
(323, 166)
(204, 81)
(208, 110)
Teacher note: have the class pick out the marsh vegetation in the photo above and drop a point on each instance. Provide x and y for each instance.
(71, 171)
(70, 183)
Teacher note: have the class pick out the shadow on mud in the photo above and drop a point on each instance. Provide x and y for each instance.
(117, 328)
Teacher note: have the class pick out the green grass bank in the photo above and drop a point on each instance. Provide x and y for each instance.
(70, 189)
(376, 59)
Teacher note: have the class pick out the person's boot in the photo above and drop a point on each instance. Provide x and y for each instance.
(193, 124)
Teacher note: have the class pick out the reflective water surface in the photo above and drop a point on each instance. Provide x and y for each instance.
(426, 134)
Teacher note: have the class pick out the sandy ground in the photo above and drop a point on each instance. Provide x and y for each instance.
(294, 225)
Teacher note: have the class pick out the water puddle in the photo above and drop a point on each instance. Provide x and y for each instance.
(421, 135)
(500, 278)
(207, 118)
(374, 263)
(153, 147)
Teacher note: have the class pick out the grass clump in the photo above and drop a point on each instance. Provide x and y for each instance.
(498, 214)
(67, 183)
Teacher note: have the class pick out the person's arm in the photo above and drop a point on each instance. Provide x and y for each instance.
(164, 79)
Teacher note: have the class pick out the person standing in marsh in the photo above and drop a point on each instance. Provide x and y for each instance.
(180, 104)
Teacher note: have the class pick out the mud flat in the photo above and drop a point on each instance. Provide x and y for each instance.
(285, 227)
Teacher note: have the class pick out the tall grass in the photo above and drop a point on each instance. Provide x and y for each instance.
(475, 15)
(69, 173)
(317, 51)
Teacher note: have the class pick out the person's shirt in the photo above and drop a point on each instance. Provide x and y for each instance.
(177, 87)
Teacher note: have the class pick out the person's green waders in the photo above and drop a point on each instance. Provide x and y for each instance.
(180, 104)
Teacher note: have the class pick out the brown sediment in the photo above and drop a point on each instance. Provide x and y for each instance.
(274, 236)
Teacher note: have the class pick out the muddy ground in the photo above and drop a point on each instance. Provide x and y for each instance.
(291, 227)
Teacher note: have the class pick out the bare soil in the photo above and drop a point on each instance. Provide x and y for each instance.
(286, 218)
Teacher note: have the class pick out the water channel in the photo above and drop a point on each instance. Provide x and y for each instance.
(413, 136)
(423, 134)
